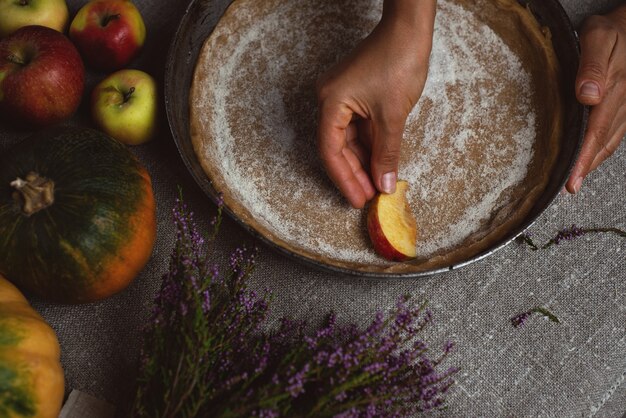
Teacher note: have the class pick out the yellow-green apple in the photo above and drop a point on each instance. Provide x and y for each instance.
(15, 14)
(108, 33)
(124, 105)
(391, 225)
(41, 77)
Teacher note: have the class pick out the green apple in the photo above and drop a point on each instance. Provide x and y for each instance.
(124, 105)
(15, 14)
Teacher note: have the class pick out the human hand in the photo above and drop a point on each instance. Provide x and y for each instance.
(601, 83)
(364, 100)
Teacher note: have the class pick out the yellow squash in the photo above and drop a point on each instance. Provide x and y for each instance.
(31, 377)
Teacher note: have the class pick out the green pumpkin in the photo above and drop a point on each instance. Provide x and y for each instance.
(77, 215)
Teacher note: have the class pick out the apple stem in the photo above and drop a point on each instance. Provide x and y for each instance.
(128, 94)
(108, 18)
(15, 59)
(23, 2)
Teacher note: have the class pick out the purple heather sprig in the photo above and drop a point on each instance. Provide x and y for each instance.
(383, 370)
(519, 320)
(566, 234)
(207, 351)
(569, 234)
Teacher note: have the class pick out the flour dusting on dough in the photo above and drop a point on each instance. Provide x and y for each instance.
(467, 145)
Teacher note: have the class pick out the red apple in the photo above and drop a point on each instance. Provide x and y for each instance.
(15, 14)
(124, 105)
(41, 76)
(108, 33)
(391, 225)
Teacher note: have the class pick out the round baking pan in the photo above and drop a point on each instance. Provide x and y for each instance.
(201, 18)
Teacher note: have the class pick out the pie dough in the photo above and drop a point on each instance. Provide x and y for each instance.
(478, 147)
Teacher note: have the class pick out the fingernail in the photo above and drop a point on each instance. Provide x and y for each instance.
(577, 183)
(388, 182)
(590, 89)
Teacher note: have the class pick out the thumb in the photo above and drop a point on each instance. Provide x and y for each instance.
(597, 42)
(386, 141)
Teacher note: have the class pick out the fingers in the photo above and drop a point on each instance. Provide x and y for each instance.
(358, 158)
(355, 145)
(386, 141)
(600, 83)
(598, 137)
(340, 161)
(609, 148)
(597, 41)
(364, 128)
(359, 173)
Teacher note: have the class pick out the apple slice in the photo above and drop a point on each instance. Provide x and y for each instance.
(391, 225)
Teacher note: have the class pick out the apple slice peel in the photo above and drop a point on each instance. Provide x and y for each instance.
(392, 226)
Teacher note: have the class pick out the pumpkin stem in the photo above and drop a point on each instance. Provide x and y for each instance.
(34, 193)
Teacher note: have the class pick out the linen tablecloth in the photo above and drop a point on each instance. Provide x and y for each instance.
(575, 368)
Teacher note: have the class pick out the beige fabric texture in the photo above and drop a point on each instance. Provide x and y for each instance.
(576, 368)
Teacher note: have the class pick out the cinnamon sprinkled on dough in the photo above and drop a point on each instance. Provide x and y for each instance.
(467, 148)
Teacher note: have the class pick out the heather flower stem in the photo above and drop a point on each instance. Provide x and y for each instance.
(360, 381)
(546, 313)
(528, 241)
(519, 320)
(185, 395)
(361, 402)
(616, 231)
(174, 385)
(569, 234)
